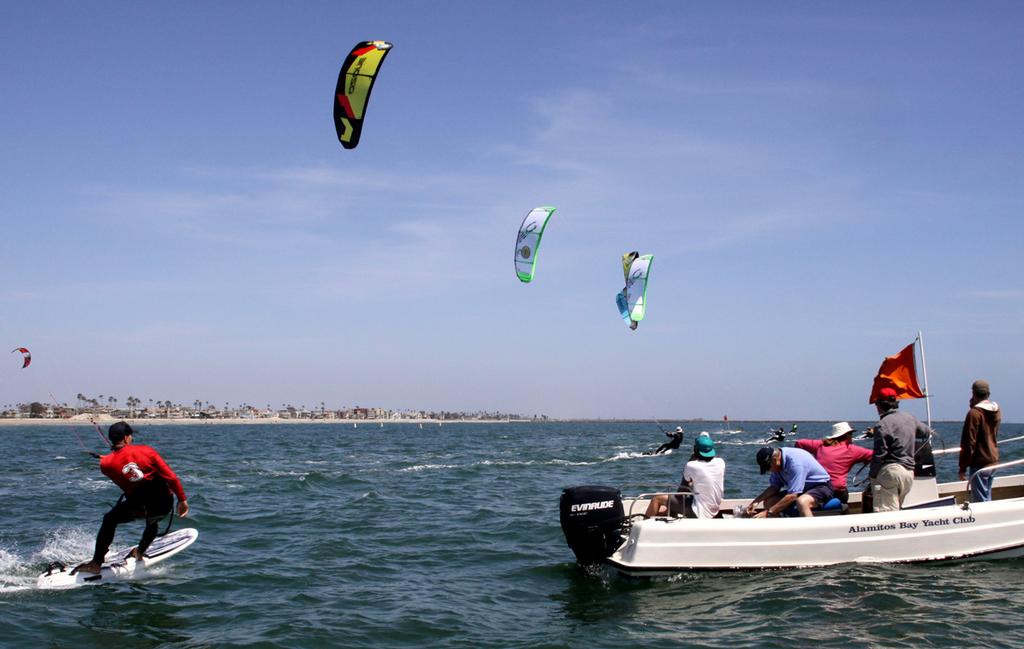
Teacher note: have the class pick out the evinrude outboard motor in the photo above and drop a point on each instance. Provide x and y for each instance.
(592, 521)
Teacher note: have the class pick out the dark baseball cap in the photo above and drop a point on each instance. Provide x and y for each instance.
(764, 458)
(118, 431)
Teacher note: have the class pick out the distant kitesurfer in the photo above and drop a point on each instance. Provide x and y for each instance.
(776, 435)
(673, 443)
(149, 487)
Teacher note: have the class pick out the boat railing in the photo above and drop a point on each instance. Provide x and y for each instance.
(956, 449)
(988, 470)
(648, 496)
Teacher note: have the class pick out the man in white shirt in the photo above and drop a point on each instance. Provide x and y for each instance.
(704, 475)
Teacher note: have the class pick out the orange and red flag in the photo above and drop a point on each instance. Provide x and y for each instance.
(898, 372)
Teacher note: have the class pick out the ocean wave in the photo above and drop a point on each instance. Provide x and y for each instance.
(497, 463)
(560, 462)
(634, 455)
(13, 576)
(427, 467)
(369, 495)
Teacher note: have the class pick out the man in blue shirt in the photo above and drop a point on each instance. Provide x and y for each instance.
(796, 477)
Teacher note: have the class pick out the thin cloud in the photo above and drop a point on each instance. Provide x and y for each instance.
(1011, 294)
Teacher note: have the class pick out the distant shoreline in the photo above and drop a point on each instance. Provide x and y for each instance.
(239, 421)
(106, 420)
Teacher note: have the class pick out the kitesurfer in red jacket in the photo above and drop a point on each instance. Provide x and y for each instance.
(149, 487)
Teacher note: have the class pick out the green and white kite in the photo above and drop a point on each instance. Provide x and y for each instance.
(636, 287)
(528, 241)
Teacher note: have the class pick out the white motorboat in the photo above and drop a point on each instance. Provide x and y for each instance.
(937, 523)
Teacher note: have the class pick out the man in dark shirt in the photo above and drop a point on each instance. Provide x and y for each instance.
(892, 461)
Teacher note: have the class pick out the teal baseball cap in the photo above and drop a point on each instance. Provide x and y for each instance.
(704, 446)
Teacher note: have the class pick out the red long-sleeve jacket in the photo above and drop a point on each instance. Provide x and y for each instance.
(129, 465)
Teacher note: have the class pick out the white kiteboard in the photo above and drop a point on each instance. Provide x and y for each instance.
(121, 567)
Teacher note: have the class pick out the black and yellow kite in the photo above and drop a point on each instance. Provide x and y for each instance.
(353, 92)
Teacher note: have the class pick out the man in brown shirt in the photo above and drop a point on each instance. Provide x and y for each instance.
(978, 447)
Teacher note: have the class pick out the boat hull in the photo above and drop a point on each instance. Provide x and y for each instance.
(990, 530)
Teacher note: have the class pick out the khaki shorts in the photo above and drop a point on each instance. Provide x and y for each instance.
(890, 487)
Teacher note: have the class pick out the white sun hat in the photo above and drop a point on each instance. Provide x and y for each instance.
(840, 429)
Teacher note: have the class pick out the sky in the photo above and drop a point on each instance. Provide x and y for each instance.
(817, 183)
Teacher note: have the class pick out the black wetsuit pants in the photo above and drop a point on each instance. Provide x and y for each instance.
(671, 444)
(151, 501)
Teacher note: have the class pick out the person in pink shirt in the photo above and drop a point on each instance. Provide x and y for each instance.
(837, 454)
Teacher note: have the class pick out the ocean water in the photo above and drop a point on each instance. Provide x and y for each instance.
(441, 536)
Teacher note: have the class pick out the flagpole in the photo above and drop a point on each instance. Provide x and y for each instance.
(924, 370)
